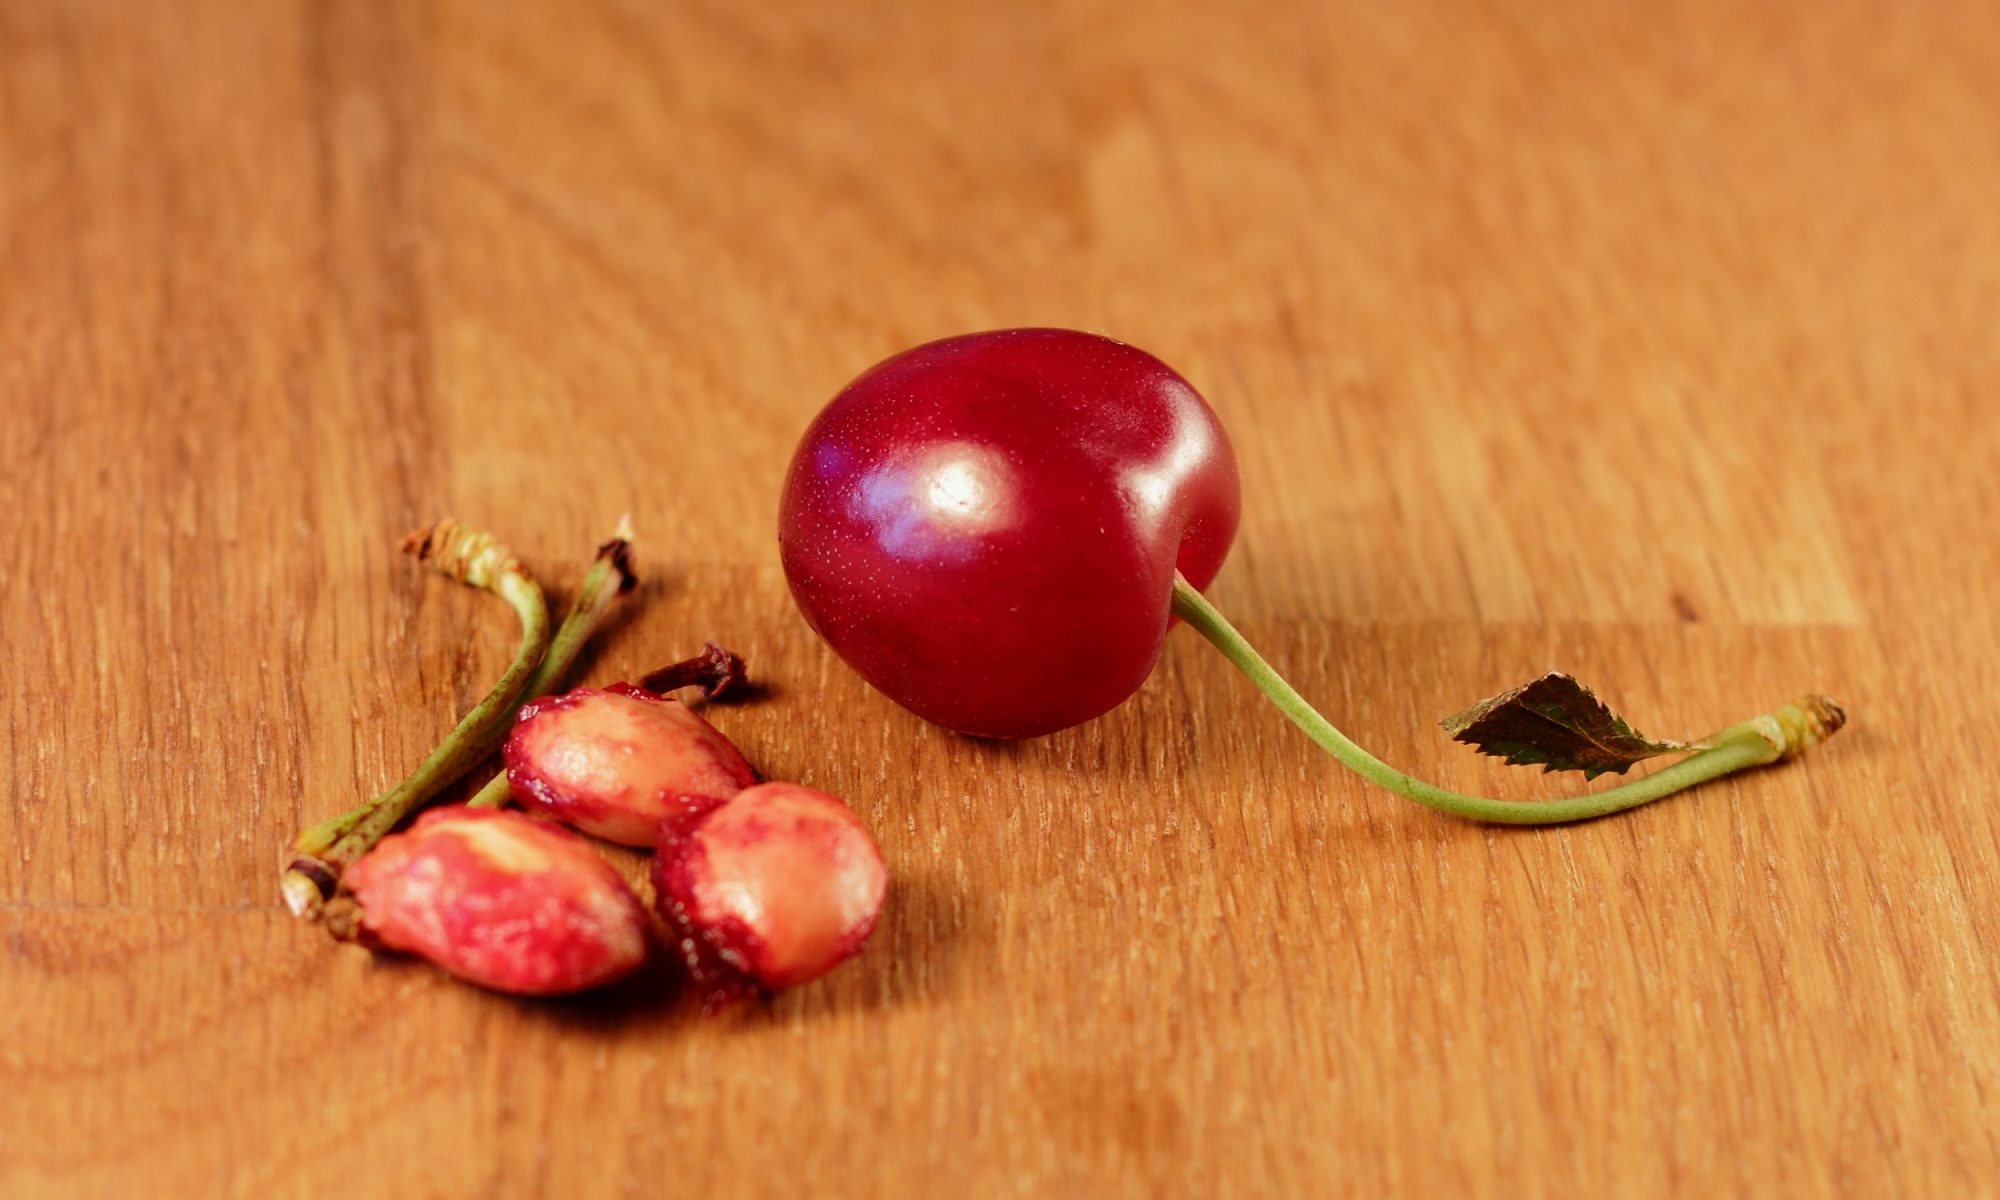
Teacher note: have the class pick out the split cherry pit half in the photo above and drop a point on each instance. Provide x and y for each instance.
(996, 529)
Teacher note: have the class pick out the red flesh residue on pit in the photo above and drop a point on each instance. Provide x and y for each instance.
(501, 900)
(617, 762)
(772, 890)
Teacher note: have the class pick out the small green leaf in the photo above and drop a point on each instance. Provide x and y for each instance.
(1556, 722)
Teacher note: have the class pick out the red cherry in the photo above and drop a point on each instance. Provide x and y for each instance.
(996, 529)
(987, 528)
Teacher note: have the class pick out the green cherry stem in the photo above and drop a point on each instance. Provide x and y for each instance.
(476, 558)
(495, 794)
(609, 577)
(1786, 733)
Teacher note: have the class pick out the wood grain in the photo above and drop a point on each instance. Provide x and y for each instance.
(1654, 342)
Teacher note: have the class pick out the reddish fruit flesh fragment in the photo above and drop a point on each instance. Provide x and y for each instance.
(618, 761)
(501, 900)
(773, 889)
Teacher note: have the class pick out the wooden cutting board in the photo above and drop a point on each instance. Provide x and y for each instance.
(1656, 343)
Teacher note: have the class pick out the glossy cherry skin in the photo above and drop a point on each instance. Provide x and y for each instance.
(987, 527)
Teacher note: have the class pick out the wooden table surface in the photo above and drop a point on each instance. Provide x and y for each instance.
(1652, 342)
